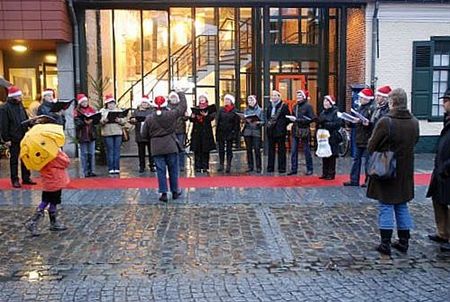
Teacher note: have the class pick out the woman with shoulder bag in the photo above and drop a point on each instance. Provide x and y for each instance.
(397, 132)
(254, 121)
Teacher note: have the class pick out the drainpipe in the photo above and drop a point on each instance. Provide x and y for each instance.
(76, 45)
(375, 41)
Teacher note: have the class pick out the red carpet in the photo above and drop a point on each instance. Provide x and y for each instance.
(207, 182)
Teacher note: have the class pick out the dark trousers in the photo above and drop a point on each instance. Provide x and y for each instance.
(201, 160)
(296, 141)
(280, 143)
(141, 153)
(14, 163)
(228, 145)
(442, 218)
(253, 145)
(329, 166)
(360, 154)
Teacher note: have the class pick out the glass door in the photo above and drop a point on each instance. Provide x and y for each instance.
(288, 85)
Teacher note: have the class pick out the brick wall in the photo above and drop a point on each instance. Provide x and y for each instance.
(34, 20)
(356, 49)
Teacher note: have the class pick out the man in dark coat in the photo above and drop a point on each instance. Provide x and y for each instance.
(227, 131)
(276, 132)
(303, 116)
(12, 115)
(48, 99)
(174, 101)
(398, 132)
(159, 127)
(439, 189)
(363, 133)
(329, 120)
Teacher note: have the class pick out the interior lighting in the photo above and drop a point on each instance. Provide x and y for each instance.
(19, 48)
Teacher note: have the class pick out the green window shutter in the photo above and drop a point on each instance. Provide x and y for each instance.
(422, 79)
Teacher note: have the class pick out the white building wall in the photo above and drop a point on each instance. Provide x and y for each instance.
(400, 24)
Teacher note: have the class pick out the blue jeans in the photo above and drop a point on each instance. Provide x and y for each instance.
(87, 157)
(296, 141)
(113, 143)
(164, 162)
(386, 216)
(360, 154)
(181, 155)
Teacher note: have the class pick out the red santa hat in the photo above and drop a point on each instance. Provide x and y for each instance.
(109, 98)
(366, 93)
(276, 92)
(330, 99)
(229, 97)
(81, 97)
(146, 99)
(14, 91)
(384, 90)
(48, 91)
(160, 102)
(304, 93)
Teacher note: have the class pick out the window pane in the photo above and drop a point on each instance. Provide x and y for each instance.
(435, 87)
(444, 76)
(437, 60)
(290, 31)
(445, 60)
(289, 11)
(435, 76)
(274, 12)
(434, 111)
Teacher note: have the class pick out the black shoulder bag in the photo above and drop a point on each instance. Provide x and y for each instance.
(383, 165)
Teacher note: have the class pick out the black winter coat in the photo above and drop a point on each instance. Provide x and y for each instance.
(279, 129)
(363, 132)
(329, 120)
(228, 125)
(404, 136)
(181, 122)
(45, 109)
(138, 125)
(202, 138)
(12, 116)
(300, 111)
(85, 133)
(379, 113)
(439, 189)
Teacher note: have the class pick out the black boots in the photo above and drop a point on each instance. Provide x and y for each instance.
(385, 245)
(403, 241)
(54, 224)
(32, 223)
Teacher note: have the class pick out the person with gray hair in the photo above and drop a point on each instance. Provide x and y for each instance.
(398, 131)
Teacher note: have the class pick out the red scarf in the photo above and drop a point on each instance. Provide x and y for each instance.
(228, 108)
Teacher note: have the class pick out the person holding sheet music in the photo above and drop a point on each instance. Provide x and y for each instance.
(138, 119)
(13, 130)
(227, 131)
(86, 133)
(328, 119)
(46, 107)
(276, 132)
(303, 116)
(202, 138)
(254, 121)
(111, 129)
(363, 132)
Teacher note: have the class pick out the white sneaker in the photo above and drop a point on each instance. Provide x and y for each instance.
(116, 171)
(111, 171)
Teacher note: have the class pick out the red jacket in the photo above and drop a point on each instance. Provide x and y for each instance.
(54, 175)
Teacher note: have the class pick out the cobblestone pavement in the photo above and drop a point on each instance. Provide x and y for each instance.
(227, 244)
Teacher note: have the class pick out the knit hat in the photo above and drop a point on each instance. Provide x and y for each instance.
(331, 99)
(366, 93)
(384, 91)
(81, 97)
(304, 93)
(48, 91)
(109, 98)
(174, 96)
(160, 102)
(14, 91)
(230, 97)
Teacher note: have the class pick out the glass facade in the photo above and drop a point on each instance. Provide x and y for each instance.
(217, 49)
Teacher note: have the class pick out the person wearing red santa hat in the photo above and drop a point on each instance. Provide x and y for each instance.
(160, 127)
(301, 133)
(12, 115)
(276, 132)
(112, 133)
(202, 138)
(86, 133)
(137, 119)
(48, 99)
(329, 120)
(363, 132)
(227, 131)
(381, 98)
